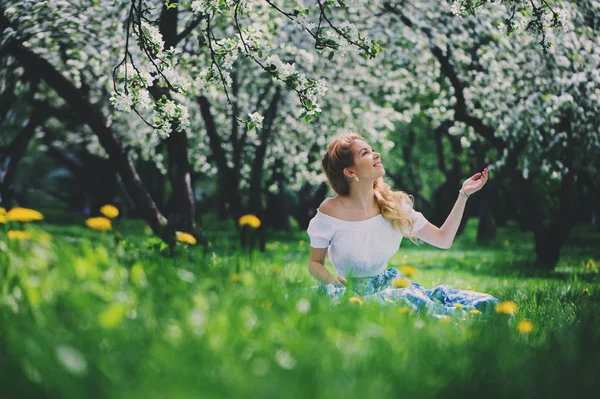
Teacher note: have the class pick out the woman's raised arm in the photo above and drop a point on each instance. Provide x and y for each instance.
(443, 237)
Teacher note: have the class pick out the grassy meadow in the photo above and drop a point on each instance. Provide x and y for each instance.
(118, 315)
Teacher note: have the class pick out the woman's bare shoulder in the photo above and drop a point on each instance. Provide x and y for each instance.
(331, 206)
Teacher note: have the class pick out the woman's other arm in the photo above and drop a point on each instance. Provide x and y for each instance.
(316, 267)
(443, 237)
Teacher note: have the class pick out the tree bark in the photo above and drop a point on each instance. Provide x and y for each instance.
(256, 174)
(180, 209)
(14, 153)
(278, 216)
(109, 140)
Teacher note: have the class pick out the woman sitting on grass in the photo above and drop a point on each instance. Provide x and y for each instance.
(362, 226)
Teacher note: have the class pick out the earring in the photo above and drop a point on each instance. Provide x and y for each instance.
(355, 178)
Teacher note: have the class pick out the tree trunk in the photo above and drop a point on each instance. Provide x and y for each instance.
(278, 216)
(486, 229)
(38, 66)
(14, 153)
(256, 175)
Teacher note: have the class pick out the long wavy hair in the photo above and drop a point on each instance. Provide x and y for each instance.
(394, 205)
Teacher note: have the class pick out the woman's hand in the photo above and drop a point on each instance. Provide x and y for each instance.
(475, 182)
(337, 280)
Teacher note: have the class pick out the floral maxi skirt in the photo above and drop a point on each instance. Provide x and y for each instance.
(392, 288)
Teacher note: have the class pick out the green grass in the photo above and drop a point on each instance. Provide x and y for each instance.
(83, 314)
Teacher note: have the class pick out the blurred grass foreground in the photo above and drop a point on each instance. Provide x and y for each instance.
(108, 310)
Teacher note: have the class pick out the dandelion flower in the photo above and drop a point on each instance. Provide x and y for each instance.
(235, 277)
(474, 311)
(445, 319)
(109, 211)
(23, 215)
(401, 283)
(249, 220)
(525, 326)
(408, 271)
(18, 235)
(99, 223)
(404, 309)
(506, 307)
(185, 237)
(388, 300)
(590, 264)
(356, 299)
(458, 306)
(3, 215)
(586, 290)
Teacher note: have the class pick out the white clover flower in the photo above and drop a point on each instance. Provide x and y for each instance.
(303, 305)
(285, 359)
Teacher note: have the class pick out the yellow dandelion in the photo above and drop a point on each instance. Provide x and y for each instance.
(404, 309)
(356, 299)
(586, 291)
(408, 271)
(109, 211)
(388, 300)
(525, 326)
(249, 220)
(23, 215)
(276, 268)
(590, 264)
(186, 238)
(18, 235)
(445, 319)
(3, 215)
(401, 283)
(458, 306)
(474, 311)
(506, 243)
(235, 278)
(506, 307)
(99, 223)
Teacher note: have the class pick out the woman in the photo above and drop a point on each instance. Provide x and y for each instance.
(363, 225)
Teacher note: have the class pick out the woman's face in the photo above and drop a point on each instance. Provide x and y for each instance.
(367, 163)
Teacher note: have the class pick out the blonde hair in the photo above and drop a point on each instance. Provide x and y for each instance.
(394, 205)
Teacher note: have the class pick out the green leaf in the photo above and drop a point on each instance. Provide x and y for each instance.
(331, 54)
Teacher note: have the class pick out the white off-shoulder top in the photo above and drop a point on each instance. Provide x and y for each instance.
(358, 249)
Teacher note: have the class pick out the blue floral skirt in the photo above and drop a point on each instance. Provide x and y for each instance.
(392, 288)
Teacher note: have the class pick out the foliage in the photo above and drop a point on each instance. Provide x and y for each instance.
(83, 313)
